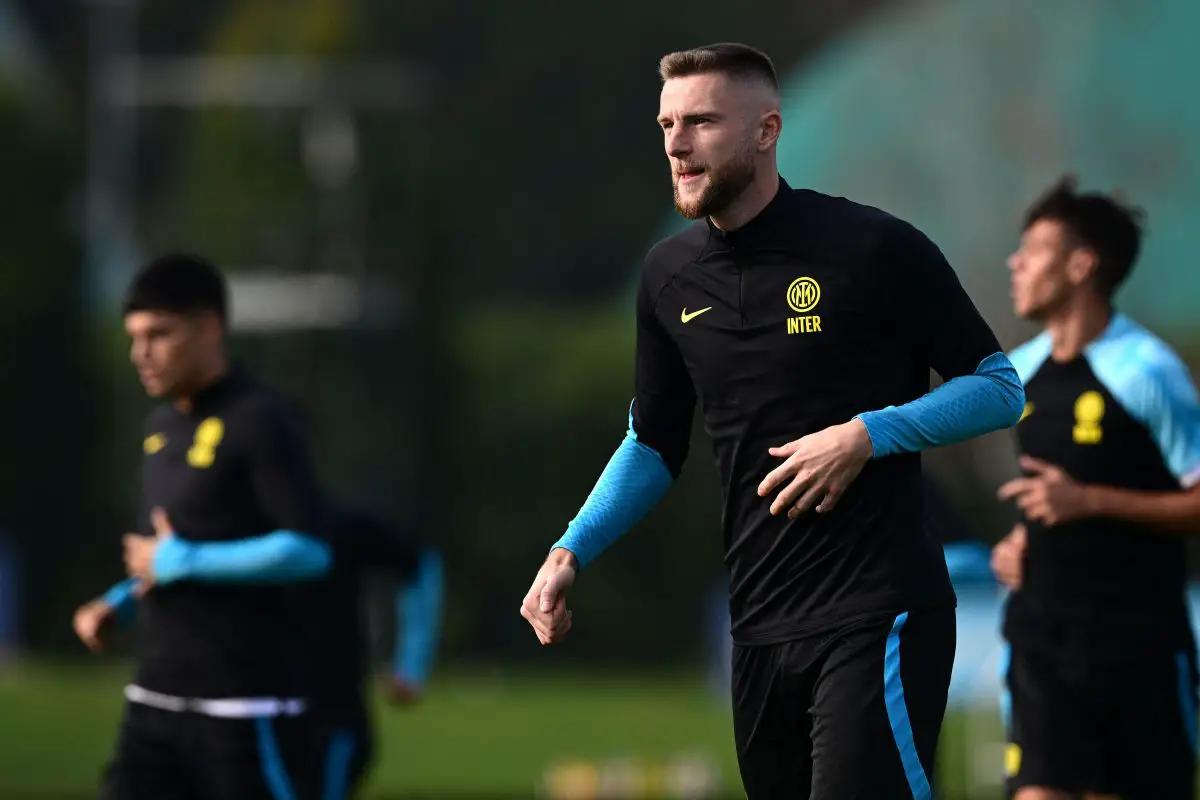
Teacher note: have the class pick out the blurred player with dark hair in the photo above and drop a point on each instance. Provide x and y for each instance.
(1102, 673)
(215, 708)
(806, 326)
(243, 485)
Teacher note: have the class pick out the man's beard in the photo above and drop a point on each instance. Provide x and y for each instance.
(725, 185)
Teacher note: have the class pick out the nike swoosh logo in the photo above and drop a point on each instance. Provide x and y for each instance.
(685, 317)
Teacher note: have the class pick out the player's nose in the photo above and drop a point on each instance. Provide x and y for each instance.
(677, 145)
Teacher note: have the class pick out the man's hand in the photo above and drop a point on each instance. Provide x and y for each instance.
(1008, 558)
(545, 604)
(92, 622)
(1048, 496)
(140, 550)
(819, 467)
(400, 692)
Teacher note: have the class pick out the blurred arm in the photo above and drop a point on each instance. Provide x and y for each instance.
(1165, 512)
(418, 620)
(122, 597)
(370, 540)
(279, 556)
(1161, 395)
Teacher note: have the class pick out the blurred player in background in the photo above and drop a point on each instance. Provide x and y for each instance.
(157, 756)
(806, 326)
(1102, 675)
(216, 706)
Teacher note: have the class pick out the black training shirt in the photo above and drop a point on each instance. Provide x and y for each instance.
(1122, 413)
(816, 310)
(237, 466)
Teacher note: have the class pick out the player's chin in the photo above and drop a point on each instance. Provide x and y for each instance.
(155, 388)
(1024, 309)
(690, 205)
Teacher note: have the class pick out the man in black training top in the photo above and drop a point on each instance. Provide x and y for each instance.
(1102, 668)
(806, 326)
(216, 706)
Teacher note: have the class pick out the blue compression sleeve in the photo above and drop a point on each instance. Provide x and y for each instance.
(635, 479)
(279, 556)
(123, 600)
(959, 409)
(418, 620)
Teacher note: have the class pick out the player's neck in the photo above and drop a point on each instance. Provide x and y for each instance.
(1077, 326)
(750, 203)
(186, 402)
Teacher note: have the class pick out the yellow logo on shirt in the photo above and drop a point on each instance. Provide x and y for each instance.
(209, 434)
(802, 296)
(152, 444)
(1012, 760)
(1089, 410)
(1025, 412)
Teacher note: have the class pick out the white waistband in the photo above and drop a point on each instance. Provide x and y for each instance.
(229, 708)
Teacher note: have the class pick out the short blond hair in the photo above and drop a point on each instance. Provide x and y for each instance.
(727, 58)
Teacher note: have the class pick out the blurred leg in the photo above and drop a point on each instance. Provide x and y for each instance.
(1055, 747)
(1152, 754)
(145, 764)
(254, 759)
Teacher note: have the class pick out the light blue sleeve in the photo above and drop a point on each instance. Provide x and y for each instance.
(122, 598)
(633, 482)
(1028, 358)
(418, 620)
(1154, 386)
(278, 557)
(961, 408)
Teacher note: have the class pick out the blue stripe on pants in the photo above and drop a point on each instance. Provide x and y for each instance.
(897, 711)
(337, 764)
(1187, 698)
(273, 767)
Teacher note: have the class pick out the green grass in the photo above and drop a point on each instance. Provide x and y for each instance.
(475, 735)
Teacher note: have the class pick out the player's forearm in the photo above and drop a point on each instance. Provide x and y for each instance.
(418, 620)
(1175, 513)
(122, 596)
(634, 481)
(277, 557)
(962, 408)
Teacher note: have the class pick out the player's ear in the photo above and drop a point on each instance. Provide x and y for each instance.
(1081, 265)
(211, 326)
(769, 128)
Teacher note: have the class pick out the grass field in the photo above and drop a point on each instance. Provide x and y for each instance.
(475, 736)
